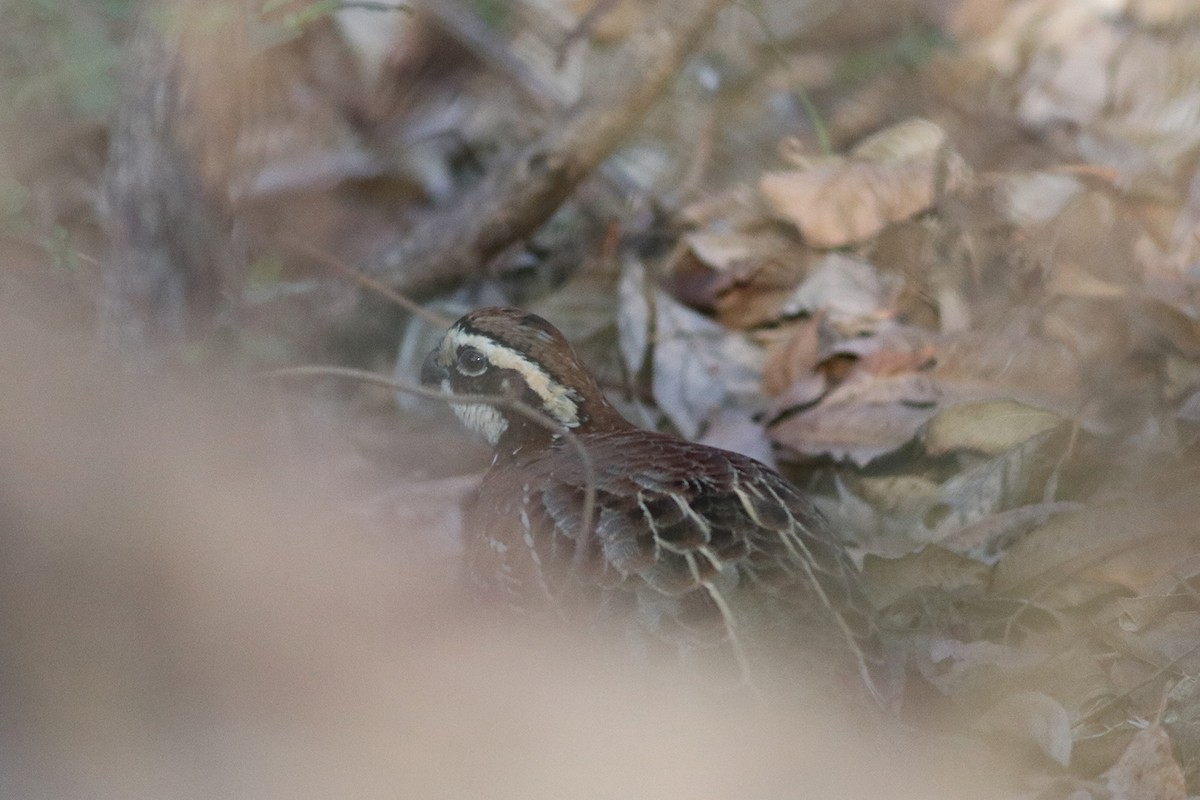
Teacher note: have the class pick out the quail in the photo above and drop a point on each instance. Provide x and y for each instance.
(694, 550)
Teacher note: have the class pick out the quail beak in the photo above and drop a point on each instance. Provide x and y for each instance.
(432, 371)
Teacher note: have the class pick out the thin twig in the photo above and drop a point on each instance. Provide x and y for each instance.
(509, 403)
(365, 281)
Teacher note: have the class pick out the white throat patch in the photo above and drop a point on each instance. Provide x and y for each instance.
(485, 420)
(557, 400)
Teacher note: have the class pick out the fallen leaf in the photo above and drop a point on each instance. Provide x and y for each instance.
(1181, 719)
(1010, 362)
(1117, 543)
(890, 177)
(846, 288)
(863, 418)
(736, 430)
(792, 356)
(989, 427)
(1035, 197)
(724, 251)
(699, 366)
(889, 580)
(1147, 770)
(960, 664)
(838, 205)
(1034, 716)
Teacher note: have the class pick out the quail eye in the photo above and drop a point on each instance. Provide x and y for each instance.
(471, 362)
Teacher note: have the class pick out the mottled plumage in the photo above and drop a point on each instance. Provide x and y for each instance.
(692, 549)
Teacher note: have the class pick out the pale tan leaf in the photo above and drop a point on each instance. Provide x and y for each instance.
(1034, 716)
(862, 419)
(846, 288)
(1147, 770)
(1035, 197)
(1181, 718)
(890, 579)
(909, 140)
(989, 427)
(834, 206)
(1117, 543)
(1161, 13)
(1010, 362)
(957, 668)
(889, 177)
(723, 251)
(985, 538)
(792, 356)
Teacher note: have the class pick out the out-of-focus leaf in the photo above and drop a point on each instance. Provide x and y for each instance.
(735, 429)
(891, 579)
(955, 667)
(746, 276)
(1035, 197)
(1010, 362)
(1033, 716)
(989, 485)
(615, 21)
(986, 538)
(1181, 719)
(792, 355)
(1122, 543)
(862, 419)
(989, 427)
(698, 366)
(1172, 641)
(890, 177)
(724, 250)
(1147, 770)
(845, 288)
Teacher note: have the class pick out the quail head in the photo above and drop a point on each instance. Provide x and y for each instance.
(692, 550)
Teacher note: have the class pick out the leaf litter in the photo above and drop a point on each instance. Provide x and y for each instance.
(944, 272)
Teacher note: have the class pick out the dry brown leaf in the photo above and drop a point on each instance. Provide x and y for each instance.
(892, 362)
(1171, 642)
(847, 288)
(1068, 78)
(862, 419)
(985, 538)
(792, 356)
(724, 251)
(989, 427)
(1010, 362)
(1034, 716)
(1181, 718)
(890, 579)
(1035, 197)
(963, 665)
(1147, 770)
(1153, 13)
(839, 205)
(1120, 543)
(699, 367)
(890, 177)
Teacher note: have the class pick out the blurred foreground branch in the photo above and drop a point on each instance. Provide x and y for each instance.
(523, 192)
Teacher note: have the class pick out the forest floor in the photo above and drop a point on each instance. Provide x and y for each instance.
(936, 260)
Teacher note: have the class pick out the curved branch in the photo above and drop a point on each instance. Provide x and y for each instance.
(529, 186)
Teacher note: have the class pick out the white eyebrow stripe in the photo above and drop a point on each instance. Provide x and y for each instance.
(558, 400)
